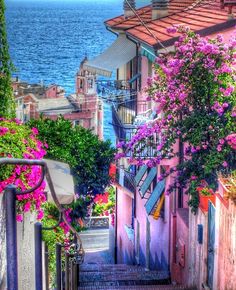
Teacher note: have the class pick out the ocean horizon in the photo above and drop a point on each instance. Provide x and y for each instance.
(49, 39)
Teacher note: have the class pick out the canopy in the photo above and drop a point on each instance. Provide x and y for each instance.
(118, 54)
(149, 53)
(62, 181)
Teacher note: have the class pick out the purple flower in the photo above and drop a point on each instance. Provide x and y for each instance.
(225, 164)
(3, 131)
(171, 30)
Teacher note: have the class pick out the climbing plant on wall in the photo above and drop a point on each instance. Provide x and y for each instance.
(194, 90)
(7, 102)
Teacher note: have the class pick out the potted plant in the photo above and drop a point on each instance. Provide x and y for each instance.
(205, 194)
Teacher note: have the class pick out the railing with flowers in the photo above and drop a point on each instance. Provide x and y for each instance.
(11, 193)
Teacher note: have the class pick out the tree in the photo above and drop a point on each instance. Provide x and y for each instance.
(7, 102)
(89, 157)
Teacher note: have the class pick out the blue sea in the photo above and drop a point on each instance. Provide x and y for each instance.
(49, 38)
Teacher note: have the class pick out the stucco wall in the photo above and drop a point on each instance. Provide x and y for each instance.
(125, 252)
(159, 237)
(26, 257)
(226, 246)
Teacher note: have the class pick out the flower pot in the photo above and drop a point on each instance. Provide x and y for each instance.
(203, 201)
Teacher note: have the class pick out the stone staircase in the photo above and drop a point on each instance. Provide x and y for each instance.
(102, 276)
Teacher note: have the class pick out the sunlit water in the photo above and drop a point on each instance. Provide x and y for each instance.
(48, 39)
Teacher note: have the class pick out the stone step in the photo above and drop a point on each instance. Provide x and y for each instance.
(124, 278)
(109, 268)
(136, 287)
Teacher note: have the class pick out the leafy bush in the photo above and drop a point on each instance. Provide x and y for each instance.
(88, 156)
(19, 141)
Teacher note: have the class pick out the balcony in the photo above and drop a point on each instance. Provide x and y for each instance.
(112, 90)
(125, 178)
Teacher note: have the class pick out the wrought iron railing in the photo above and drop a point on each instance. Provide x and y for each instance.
(72, 260)
(129, 182)
(125, 179)
(113, 88)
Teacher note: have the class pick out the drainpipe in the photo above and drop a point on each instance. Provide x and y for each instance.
(116, 230)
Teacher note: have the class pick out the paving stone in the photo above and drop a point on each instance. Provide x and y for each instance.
(108, 276)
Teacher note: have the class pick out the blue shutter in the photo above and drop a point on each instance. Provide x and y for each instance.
(155, 196)
(147, 182)
(140, 174)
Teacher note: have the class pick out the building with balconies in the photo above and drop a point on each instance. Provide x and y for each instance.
(152, 228)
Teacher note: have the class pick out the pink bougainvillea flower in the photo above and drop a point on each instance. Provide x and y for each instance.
(225, 164)
(19, 218)
(231, 140)
(40, 215)
(35, 131)
(3, 131)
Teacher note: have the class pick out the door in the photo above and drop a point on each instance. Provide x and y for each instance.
(211, 245)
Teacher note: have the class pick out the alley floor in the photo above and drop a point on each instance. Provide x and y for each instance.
(96, 246)
(100, 272)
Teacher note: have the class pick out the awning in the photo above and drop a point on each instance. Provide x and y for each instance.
(149, 53)
(119, 53)
(62, 181)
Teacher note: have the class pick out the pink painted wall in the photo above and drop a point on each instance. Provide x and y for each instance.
(225, 268)
(53, 92)
(159, 236)
(124, 217)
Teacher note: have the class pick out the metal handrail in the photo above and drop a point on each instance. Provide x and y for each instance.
(45, 172)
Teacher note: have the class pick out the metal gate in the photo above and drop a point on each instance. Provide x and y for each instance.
(211, 245)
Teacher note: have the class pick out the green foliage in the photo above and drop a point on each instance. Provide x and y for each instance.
(88, 156)
(7, 102)
(12, 144)
(194, 199)
(52, 237)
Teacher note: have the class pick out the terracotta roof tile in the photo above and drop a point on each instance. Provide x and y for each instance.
(146, 14)
(205, 18)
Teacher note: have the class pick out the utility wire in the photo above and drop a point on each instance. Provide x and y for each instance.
(145, 26)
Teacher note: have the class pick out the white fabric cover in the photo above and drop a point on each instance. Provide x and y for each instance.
(119, 53)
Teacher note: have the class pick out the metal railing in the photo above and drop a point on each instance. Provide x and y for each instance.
(126, 179)
(109, 88)
(72, 261)
(129, 182)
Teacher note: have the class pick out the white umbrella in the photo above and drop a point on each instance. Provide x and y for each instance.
(63, 182)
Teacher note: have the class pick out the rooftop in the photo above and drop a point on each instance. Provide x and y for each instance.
(204, 17)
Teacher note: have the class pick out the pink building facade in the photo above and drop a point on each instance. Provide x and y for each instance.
(153, 229)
